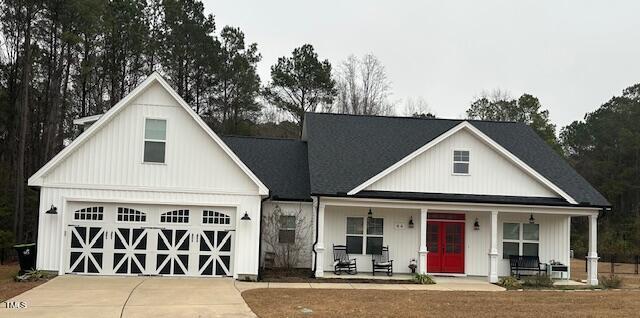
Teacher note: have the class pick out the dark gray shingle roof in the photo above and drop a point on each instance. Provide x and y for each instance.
(345, 150)
(281, 164)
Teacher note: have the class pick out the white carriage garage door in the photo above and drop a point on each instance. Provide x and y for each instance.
(131, 239)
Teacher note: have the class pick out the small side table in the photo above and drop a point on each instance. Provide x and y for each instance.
(558, 268)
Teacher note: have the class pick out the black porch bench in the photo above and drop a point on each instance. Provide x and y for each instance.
(520, 265)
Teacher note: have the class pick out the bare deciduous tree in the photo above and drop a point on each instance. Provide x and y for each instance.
(418, 107)
(287, 255)
(363, 87)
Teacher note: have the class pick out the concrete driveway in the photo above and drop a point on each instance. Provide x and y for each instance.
(97, 297)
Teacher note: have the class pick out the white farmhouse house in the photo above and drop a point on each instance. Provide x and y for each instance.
(149, 188)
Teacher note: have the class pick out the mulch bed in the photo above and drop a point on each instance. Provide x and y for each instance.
(10, 288)
(304, 275)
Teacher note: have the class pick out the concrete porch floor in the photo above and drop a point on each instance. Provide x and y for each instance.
(442, 284)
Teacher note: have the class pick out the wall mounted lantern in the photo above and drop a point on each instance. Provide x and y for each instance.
(52, 210)
(476, 224)
(531, 219)
(370, 214)
(411, 222)
(245, 217)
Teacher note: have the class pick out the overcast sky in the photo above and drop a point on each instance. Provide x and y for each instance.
(573, 55)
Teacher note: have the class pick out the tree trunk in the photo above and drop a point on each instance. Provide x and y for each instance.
(18, 222)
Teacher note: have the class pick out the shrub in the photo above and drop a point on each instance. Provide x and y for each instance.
(612, 281)
(423, 279)
(510, 282)
(538, 281)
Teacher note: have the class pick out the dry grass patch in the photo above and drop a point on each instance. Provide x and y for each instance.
(10, 288)
(623, 271)
(392, 303)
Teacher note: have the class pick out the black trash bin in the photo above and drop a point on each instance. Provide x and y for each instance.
(26, 256)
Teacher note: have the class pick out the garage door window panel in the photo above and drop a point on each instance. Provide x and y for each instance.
(95, 213)
(131, 215)
(176, 216)
(215, 217)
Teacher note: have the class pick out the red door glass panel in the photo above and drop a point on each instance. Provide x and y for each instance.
(445, 243)
(434, 263)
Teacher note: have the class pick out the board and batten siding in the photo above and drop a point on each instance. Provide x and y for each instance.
(554, 243)
(51, 226)
(490, 173)
(403, 243)
(113, 156)
(307, 224)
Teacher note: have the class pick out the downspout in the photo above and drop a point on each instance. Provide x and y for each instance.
(313, 247)
(260, 237)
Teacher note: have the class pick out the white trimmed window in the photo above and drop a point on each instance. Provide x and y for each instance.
(215, 217)
(361, 238)
(94, 213)
(155, 136)
(520, 239)
(461, 162)
(177, 216)
(287, 232)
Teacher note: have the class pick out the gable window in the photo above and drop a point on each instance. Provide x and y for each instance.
(520, 239)
(461, 162)
(361, 238)
(287, 232)
(155, 136)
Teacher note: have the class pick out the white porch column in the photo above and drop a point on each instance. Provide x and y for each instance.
(592, 257)
(422, 253)
(320, 245)
(493, 251)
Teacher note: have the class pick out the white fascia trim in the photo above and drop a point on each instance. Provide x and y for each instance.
(111, 187)
(262, 189)
(85, 120)
(460, 206)
(37, 178)
(485, 139)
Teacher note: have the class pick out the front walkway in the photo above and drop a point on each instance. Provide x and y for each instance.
(97, 297)
(442, 284)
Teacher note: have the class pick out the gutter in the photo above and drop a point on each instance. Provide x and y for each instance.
(313, 247)
(260, 237)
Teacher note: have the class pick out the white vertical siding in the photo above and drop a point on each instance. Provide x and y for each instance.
(292, 208)
(490, 173)
(403, 243)
(113, 155)
(51, 227)
(554, 237)
(478, 243)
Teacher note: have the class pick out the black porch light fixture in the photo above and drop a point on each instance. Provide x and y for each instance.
(532, 220)
(411, 222)
(370, 214)
(52, 210)
(245, 217)
(476, 225)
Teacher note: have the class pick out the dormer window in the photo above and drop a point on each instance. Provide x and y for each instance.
(461, 162)
(155, 136)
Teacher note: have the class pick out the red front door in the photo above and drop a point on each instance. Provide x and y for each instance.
(445, 243)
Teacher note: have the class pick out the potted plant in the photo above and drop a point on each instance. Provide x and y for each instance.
(413, 265)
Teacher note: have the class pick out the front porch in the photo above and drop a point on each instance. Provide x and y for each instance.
(452, 239)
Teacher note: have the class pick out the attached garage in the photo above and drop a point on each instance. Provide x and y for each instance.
(149, 189)
(130, 239)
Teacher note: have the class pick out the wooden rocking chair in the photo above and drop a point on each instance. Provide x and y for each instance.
(381, 263)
